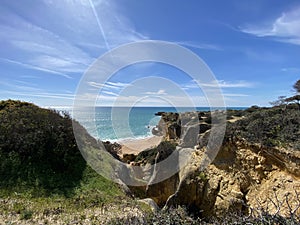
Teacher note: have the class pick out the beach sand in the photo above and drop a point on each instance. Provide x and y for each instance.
(137, 145)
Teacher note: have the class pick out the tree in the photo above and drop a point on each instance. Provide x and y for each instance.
(280, 101)
(295, 98)
(297, 86)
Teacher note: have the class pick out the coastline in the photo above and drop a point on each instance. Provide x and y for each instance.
(135, 146)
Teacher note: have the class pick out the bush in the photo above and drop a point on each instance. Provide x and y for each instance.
(271, 127)
(37, 147)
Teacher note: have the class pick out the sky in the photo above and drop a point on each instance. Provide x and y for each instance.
(47, 46)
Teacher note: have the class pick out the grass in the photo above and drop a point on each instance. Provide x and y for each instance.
(94, 191)
(43, 177)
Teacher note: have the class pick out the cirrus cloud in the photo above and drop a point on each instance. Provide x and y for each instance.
(285, 28)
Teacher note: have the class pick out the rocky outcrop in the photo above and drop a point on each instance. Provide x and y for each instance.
(184, 127)
(113, 148)
(239, 180)
(242, 178)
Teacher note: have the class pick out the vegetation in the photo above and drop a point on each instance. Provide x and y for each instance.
(276, 126)
(37, 149)
(95, 199)
(179, 215)
(297, 86)
(271, 127)
(283, 100)
(42, 171)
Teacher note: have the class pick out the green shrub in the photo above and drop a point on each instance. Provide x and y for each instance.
(37, 148)
(271, 127)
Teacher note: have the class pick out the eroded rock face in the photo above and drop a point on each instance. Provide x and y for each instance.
(241, 178)
(160, 192)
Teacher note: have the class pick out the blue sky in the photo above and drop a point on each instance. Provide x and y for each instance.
(252, 47)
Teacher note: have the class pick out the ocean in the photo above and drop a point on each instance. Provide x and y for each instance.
(121, 123)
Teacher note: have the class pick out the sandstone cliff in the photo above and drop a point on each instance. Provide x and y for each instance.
(246, 177)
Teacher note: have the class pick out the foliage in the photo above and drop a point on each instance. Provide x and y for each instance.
(297, 86)
(203, 176)
(42, 171)
(274, 126)
(280, 101)
(295, 98)
(179, 215)
(283, 100)
(37, 148)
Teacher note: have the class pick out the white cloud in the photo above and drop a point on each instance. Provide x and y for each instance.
(178, 101)
(59, 64)
(159, 92)
(28, 66)
(43, 95)
(117, 28)
(199, 45)
(109, 85)
(65, 43)
(116, 85)
(110, 93)
(285, 28)
(219, 84)
(37, 47)
(54, 52)
(226, 84)
(95, 84)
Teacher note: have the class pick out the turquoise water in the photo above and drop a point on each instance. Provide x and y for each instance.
(120, 123)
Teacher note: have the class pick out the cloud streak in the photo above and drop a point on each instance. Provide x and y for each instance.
(219, 84)
(43, 95)
(169, 100)
(159, 92)
(199, 45)
(53, 47)
(109, 88)
(28, 66)
(115, 28)
(43, 50)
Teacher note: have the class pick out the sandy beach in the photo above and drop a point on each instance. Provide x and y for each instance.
(137, 145)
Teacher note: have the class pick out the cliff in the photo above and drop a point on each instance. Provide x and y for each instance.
(256, 169)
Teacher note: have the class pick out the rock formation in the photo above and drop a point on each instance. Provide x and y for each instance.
(243, 178)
